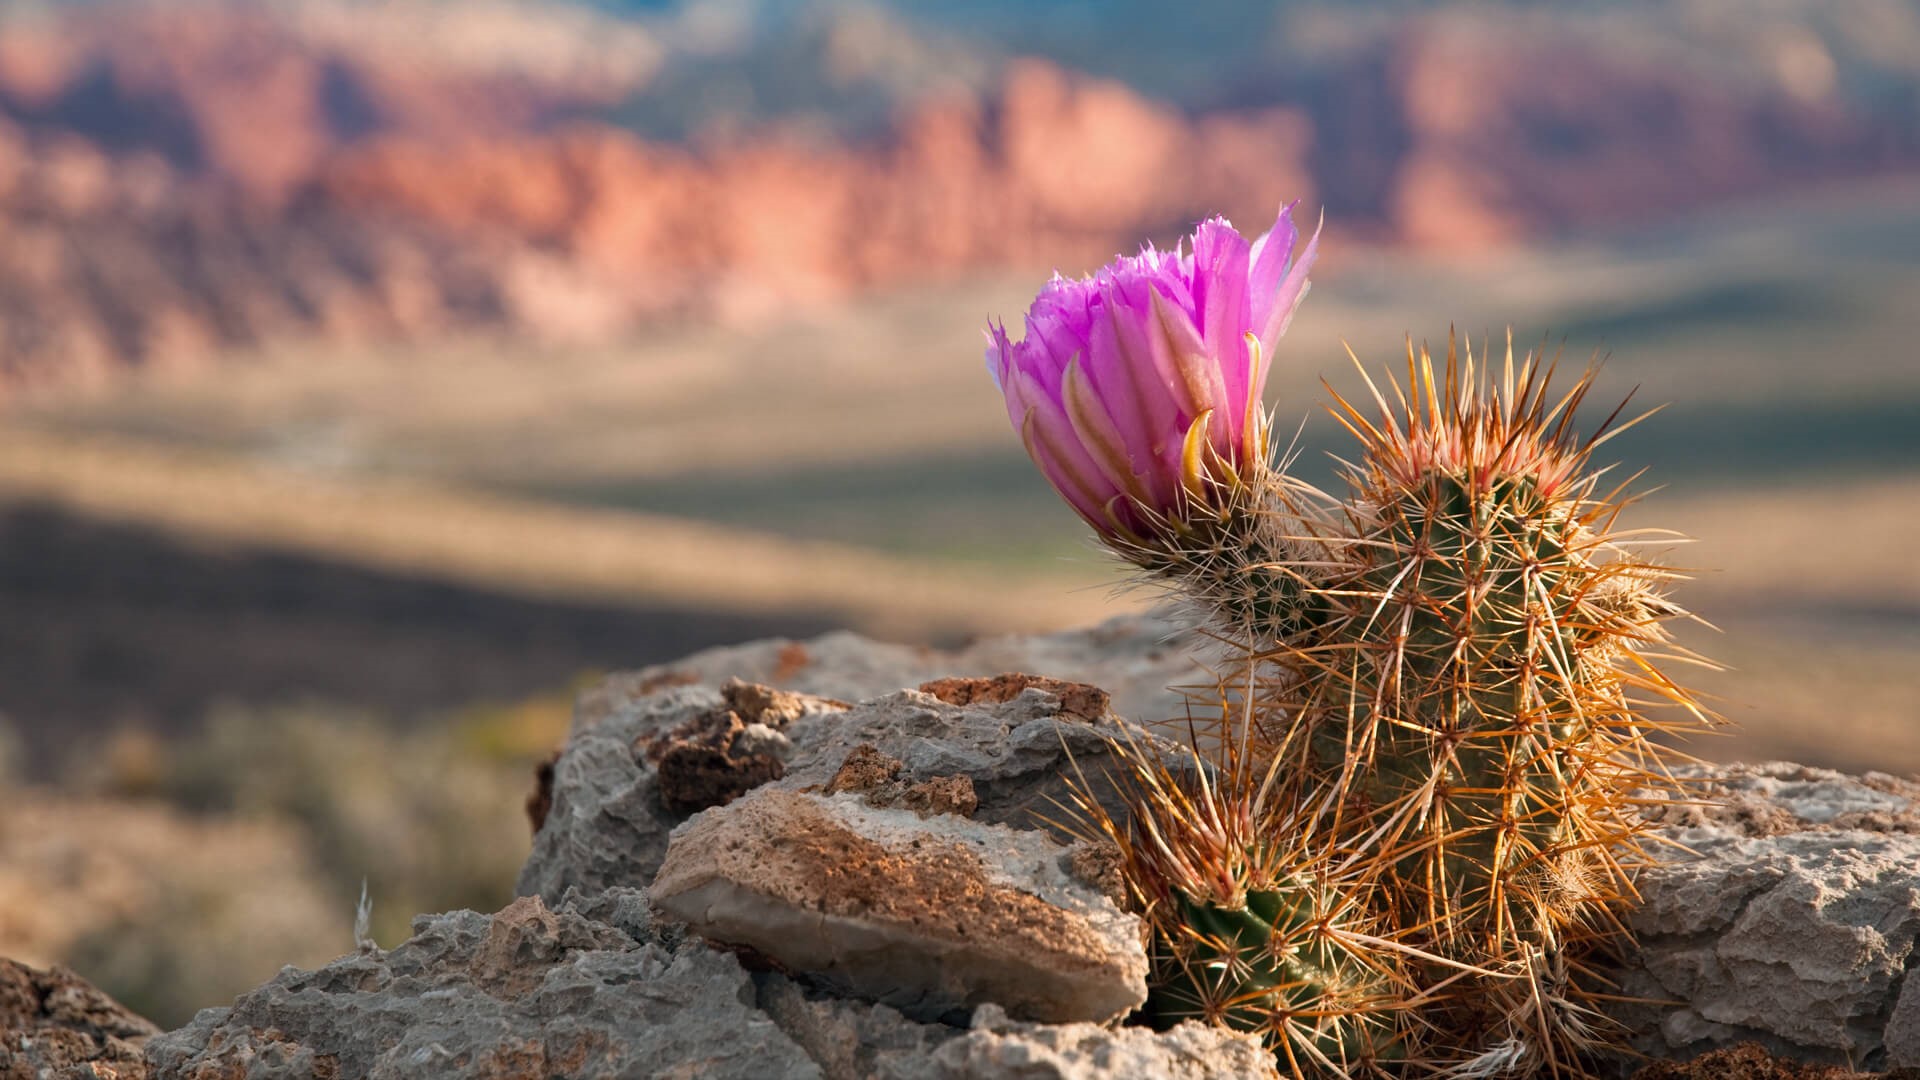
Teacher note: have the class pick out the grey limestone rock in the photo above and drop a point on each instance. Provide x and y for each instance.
(998, 1048)
(859, 1041)
(1013, 739)
(607, 826)
(596, 989)
(527, 991)
(1792, 923)
(849, 1039)
(1791, 918)
(1135, 658)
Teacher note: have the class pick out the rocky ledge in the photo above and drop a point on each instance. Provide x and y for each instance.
(770, 861)
(54, 1025)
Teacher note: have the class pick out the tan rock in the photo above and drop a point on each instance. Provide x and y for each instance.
(54, 1025)
(930, 915)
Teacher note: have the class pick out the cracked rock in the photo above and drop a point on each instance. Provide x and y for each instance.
(1013, 744)
(929, 915)
(1135, 658)
(54, 1025)
(597, 989)
(1793, 925)
(998, 1047)
(525, 992)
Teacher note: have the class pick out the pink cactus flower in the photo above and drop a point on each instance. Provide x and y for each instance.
(1137, 390)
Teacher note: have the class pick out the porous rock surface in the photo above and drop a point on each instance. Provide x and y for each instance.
(1134, 658)
(587, 990)
(1014, 738)
(931, 914)
(597, 989)
(54, 1025)
(1792, 924)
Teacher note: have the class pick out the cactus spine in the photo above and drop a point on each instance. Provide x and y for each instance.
(1466, 685)
(1254, 925)
(1445, 677)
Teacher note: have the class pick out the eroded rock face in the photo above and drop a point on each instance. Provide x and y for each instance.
(1012, 743)
(54, 1025)
(932, 915)
(604, 819)
(998, 1048)
(1132, 658)
(722, 753)
(598, 989)
(1795, 925)
(526, 992)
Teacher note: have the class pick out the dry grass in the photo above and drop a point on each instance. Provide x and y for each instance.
(421, 529)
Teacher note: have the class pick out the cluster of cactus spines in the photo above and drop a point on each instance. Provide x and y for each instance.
(1474, 658)
(1255, 925)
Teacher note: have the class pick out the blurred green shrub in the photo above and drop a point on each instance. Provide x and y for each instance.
(430, 820)
(430, 813)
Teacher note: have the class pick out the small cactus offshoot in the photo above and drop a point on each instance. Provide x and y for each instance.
(1409, 827)
(1255, 925)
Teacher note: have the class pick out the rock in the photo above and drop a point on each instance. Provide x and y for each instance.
(1132, 658)
(717, 755)
(875, 777)
(1076, 699)
(850, 1040)
(1011, 746)
(860, 1041)
(596, 988)
(1745, 1061)
(528, 991)
(877, 904)
(930, 915)
(997, 1048)
(1903, 1026)
(1794, 924)
(54, 1025)
(605, 825)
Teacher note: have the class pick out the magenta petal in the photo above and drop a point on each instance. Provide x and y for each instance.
(1293, 288)
(999, 355)
(1272, 254)
(1220, 264)
(1220, 261)
(1198, 385)
(1124, 374)
(1055, 447)
(1106, 444)
(1131, 328)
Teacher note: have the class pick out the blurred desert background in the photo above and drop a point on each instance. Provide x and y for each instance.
(373, 374)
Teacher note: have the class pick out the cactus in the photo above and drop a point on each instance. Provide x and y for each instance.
(1254, 925)
(1411, 815)
(1452, 681)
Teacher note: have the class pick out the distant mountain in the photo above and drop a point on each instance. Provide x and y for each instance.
(184, 177)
